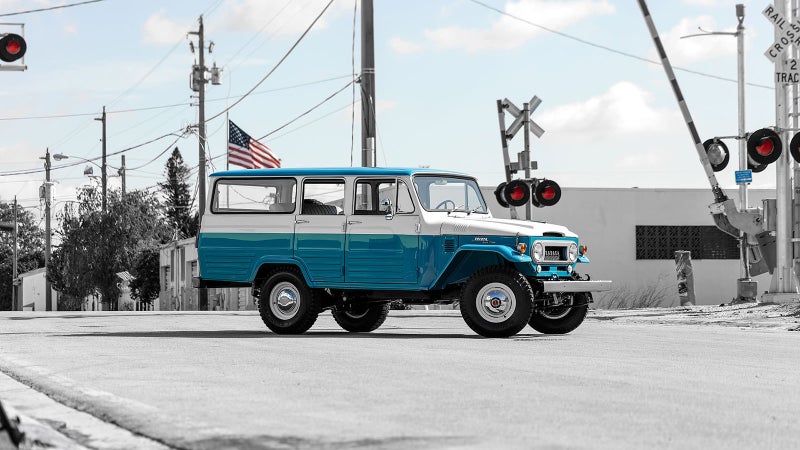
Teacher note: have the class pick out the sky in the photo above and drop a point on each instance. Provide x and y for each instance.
(609, 114)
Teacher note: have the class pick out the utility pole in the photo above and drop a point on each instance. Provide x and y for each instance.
(121, 173)
(198, 84)
(48, 294)
(367, 85)
(104, 178)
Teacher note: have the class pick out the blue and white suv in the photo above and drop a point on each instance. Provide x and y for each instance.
(354, 239)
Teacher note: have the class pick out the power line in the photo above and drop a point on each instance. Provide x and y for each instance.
(308, 111)
(609, 49)
(172, 105)
(50, 8)
(275, 67)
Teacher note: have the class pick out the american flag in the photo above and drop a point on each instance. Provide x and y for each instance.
(247, 152)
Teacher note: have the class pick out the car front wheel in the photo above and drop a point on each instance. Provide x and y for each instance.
(497, 302)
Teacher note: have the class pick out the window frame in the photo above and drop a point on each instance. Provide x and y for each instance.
(214, 208)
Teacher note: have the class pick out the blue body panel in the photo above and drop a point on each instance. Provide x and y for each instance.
(371, 261)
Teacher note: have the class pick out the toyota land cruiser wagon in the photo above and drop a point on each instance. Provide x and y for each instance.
(351, 240)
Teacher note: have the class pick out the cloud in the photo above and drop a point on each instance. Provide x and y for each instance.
(160, 30)
(508, 32)
(695, 49)
(71, 29)
(625, 110)
(403, 46)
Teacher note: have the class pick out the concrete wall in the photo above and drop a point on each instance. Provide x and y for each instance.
(606, 219)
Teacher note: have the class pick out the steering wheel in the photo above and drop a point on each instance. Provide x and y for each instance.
(444, 205)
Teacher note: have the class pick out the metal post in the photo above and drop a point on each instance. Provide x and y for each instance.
(367, 85)
(526, 153)
(783, 279)
(14, 270)
(47, 190)
(743, 203)
(501, 117)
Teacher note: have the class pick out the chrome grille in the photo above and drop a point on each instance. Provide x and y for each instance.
(553, 253)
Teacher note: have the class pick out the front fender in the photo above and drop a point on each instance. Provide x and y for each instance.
(471, 257)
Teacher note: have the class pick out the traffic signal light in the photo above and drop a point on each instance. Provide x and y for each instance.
(516, 193)
(794, 147)
(500, 195)
(764, 146)
(546, 193)
(12, 47)
(718, 154)
(540, 192)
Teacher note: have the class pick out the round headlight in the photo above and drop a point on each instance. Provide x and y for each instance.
(572, 252)
(537, 252)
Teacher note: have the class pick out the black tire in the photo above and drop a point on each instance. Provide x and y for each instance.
(560, 320)
(287, 305)
(361, 318)
(497, 302)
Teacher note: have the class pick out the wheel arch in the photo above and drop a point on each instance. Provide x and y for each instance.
(470, 258)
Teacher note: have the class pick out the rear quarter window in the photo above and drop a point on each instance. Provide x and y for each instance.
(254, 195)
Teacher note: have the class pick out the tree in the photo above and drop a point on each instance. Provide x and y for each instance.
(95, 246)
(178, 198)
(146, 285)
(30, 249)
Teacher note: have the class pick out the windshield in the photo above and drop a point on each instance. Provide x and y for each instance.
(448, 193)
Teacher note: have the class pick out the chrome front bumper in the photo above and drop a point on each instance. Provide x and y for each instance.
(576, 286)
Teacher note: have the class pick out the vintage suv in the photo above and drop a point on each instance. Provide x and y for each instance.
(354, 239)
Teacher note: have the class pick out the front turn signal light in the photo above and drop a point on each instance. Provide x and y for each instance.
(521, 247)
(583, 249)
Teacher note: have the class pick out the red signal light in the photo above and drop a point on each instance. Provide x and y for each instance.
(764, 146)
(12, 47)
(517, 193)
(546, 193)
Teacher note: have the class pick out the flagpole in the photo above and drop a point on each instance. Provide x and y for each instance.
(228, 157)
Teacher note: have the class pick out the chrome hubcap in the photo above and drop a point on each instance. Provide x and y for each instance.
(496, 302)
(283, 300)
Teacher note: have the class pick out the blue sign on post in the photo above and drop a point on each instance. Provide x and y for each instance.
(744, 176)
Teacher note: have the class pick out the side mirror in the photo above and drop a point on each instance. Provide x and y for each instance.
(387, 207)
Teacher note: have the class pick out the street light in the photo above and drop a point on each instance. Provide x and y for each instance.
(739, 34)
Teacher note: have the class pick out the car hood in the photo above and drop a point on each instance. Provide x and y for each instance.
(475, 225)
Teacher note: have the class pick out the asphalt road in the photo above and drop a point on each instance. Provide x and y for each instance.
(423, 380)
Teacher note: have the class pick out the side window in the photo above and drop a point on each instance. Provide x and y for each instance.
(372, 197)
(254, 195)
(323, 197)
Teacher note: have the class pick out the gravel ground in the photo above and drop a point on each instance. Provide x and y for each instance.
(745, 315)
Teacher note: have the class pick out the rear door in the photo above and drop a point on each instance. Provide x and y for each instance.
(319, 229)
(382, 249)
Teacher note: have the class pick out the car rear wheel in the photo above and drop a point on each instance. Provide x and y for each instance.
(361, 318)
(287, 305)
(561, 319)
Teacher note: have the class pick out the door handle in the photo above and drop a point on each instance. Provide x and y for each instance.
(300, 221)
(351, 222)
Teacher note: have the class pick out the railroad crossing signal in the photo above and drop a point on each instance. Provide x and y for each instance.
(519, 118)
(540, 192)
